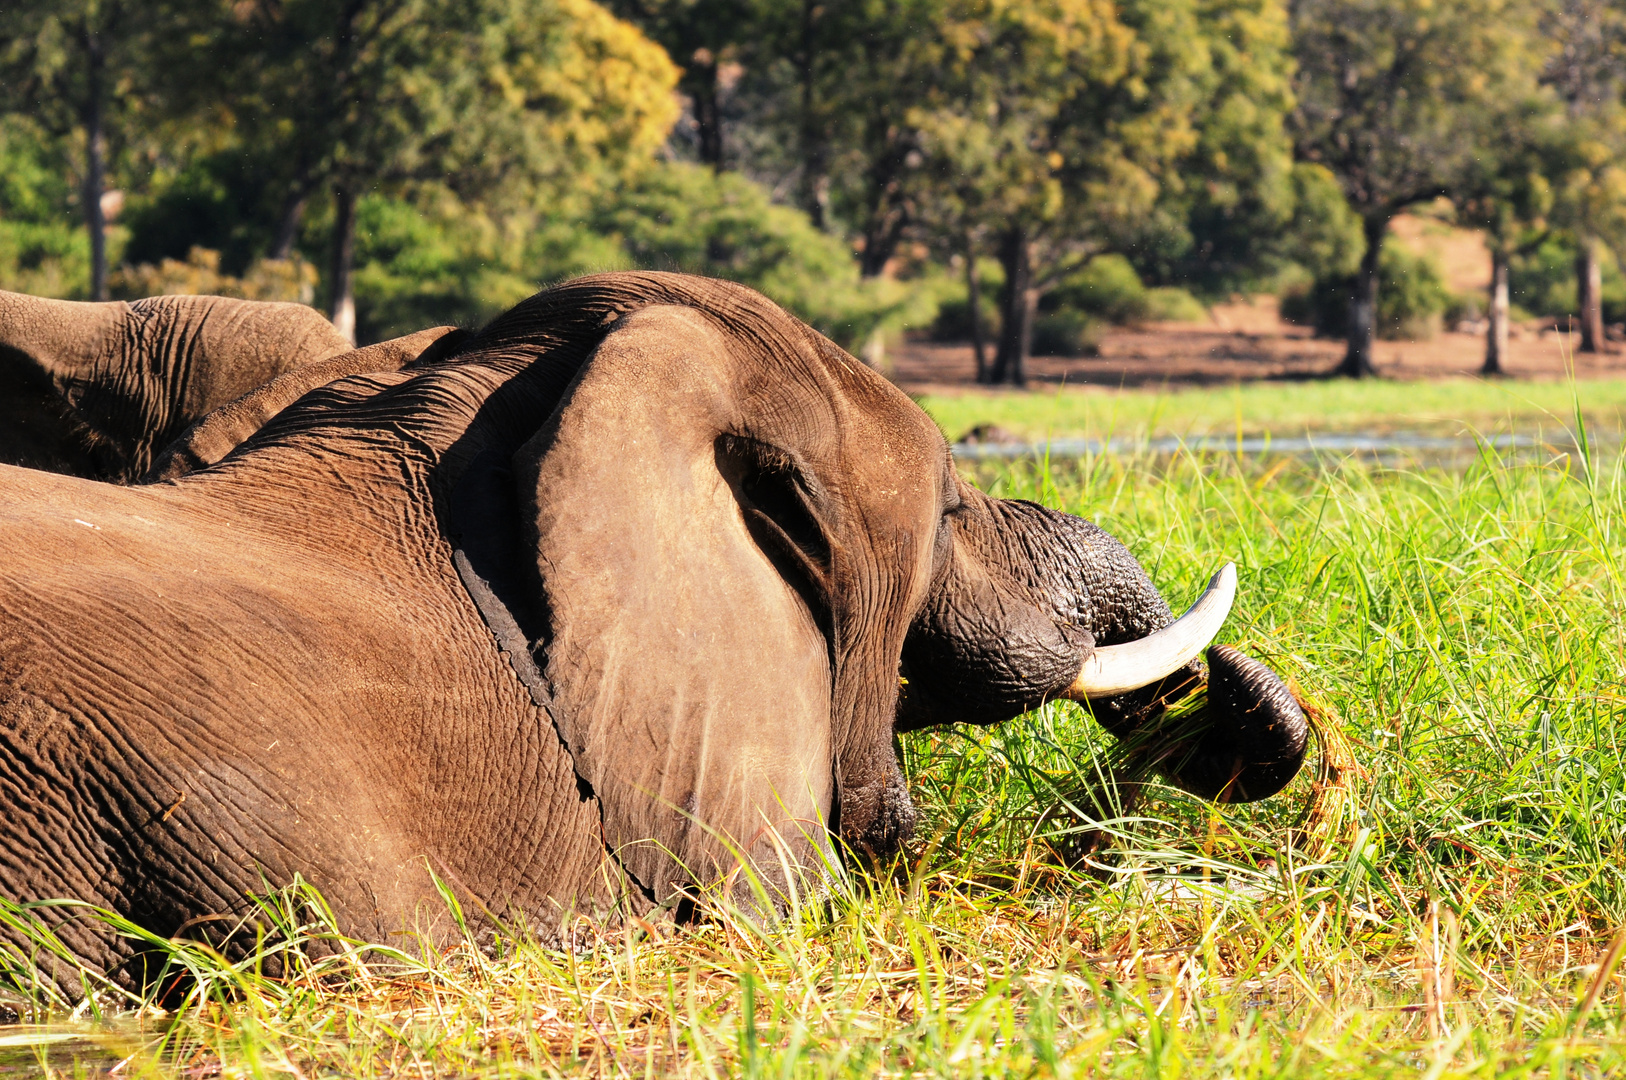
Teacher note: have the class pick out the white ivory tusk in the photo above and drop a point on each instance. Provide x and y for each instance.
(1117, 669)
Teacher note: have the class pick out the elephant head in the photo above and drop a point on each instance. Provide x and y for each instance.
(729, 539)
(95, 389)
(1030, 604)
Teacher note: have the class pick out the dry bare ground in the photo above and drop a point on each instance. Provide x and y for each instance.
(1246, 341)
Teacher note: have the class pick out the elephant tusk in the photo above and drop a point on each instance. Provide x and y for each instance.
(1117, 669)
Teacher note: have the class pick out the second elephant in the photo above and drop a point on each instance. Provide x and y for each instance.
(97, 389)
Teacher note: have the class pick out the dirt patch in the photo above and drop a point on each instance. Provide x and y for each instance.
(1461, 253)
(1244, 342)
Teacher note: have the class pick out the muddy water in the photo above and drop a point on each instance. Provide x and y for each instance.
(72, 1049)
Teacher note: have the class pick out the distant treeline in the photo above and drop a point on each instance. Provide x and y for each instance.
(1012, 169)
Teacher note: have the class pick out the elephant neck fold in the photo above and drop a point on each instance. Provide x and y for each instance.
(486, 550)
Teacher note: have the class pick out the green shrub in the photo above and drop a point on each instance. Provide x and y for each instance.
(953, 321)
(44, 259)
(1107, 290)
(1325, 236)
(1412, 296)
(199, 274)
(430, 262)
(1464, 307)
(220, 202)
(44, 249)
(689, 218)
(1170, 303)
(1412, 299)
(1066, 332)
(1542, 281)
(1322, 305)
(1107, 287)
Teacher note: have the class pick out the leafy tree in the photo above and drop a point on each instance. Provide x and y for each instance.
(1224, 213)
(710, 40)
(1062, 123)
(41, 249)
(81, 68)
(862, 70)
(1384, 106)
(1587, 69)
(1324, 236)
(493, 98)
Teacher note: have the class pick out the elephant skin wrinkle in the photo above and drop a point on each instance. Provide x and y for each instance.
(212, 437)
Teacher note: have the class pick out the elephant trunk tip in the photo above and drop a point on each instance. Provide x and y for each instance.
(1241, 738)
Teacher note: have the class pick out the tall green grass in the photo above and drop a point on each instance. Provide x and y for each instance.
(1460, 626)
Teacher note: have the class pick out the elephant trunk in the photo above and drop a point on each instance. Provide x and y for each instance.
(1033, 605)
(1247, 733)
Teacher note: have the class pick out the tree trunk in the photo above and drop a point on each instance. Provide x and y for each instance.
(1019, 302)
(880, 242)
(1496, 332)
(342, 307)
(973, 292)
(95, 161)
(1363, 305)
(293, 212)
(815, 185)
(700, 82)
(1589, 295)
(890, 210)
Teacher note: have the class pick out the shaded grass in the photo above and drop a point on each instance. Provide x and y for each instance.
(1280, 408)
(1463, 626)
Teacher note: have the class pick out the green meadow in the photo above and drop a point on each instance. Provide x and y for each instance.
(1441, 893)
(1282, 408)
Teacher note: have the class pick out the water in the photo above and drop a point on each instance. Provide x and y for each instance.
(79, 1048)
(1370, 444)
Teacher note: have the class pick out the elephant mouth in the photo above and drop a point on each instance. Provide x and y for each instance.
(1118, 669)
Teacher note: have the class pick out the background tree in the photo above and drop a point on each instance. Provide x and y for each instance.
(1586, 67)
(1506, 194)
(1013, 73)
(852, 77)
(379, 95)
(1069, 129)
(1222, 216)
(711, 41)
(81, 68)
(1380, 107)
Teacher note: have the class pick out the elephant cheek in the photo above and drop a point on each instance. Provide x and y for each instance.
(1258, 736)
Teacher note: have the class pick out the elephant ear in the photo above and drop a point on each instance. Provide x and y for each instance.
(682, 564)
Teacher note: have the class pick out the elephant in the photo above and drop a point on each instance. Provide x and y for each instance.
(220, 432)
(626, 594)
(96, 389)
